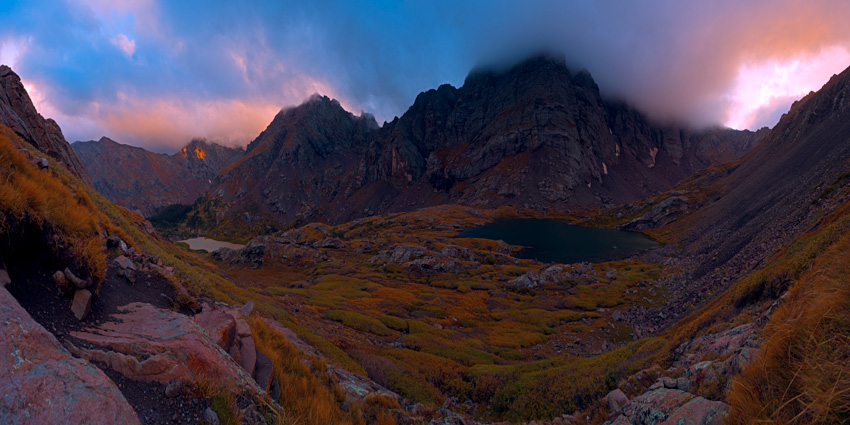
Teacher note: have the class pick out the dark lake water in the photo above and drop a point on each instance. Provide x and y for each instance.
(558, 241)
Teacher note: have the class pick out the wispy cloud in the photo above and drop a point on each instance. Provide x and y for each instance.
(125, 44)
(221, 69)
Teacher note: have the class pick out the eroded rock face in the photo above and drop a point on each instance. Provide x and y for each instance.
(40, 383)
(18, 113)
(150, 344)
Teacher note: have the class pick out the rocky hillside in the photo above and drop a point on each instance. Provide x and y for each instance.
(139, 179)
(105, 322)
(536, 135)
(18, 113)
(764, 242)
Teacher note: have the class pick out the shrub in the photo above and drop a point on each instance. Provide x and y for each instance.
(360, 322)
(395, 323)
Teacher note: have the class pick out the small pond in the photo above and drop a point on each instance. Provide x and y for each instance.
(558, 241)
(210, 245)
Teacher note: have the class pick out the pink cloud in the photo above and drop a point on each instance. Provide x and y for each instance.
(125, 44)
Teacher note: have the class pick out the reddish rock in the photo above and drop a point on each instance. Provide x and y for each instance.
(249, 355)
(125, 262)
(149, 344)
(247, 309)
(699, 411)
(221, 327)
(81, 306)
(4, 278)
(60, 280)
(235, 353)
(40, 383)
(616, 400)
(242, 328)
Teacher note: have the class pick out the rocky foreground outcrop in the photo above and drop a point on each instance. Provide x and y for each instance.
(536, 135)
(18, 113)
(689, 392)
(41, 383)
(142, 180)
(149, 344)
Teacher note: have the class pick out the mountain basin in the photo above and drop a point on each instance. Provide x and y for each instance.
(210, 245)
(558, 241)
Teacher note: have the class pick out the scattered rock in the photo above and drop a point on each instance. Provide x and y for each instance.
(60, 280)
(334, 243)
(242, 328)
(174, 389)
(125, 262)
(130, 275)
(79, 283)
(616, 400)
(5, 280)
(211, 417)
(247, 309)
(699, 411)
(41, 383)
(81, 306)
(653, 407)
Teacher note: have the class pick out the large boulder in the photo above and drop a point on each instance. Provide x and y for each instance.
(41, 383)
(220, 326)
(149, 344)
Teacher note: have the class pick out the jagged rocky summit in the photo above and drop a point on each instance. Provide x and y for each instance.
(535, 136)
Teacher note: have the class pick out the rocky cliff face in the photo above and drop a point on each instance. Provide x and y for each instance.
(139, 179)
(18, 113)
(783, 187)
(536, 135)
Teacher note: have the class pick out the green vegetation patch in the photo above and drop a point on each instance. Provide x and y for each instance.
(360, 322)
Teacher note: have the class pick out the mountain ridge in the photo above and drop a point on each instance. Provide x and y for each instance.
(501, 139)
(139, 179)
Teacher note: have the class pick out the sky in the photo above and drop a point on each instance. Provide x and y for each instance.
(158, 73)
